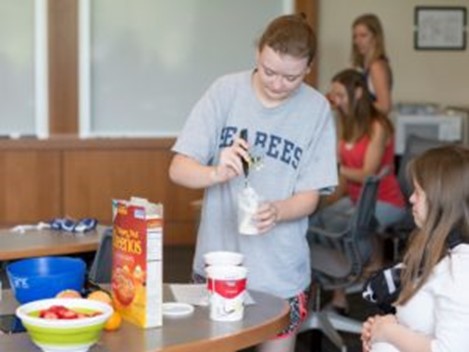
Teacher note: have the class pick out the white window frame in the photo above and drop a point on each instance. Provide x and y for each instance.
(41, 83)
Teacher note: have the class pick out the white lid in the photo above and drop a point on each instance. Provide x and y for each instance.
(223, 258)
(176, 309)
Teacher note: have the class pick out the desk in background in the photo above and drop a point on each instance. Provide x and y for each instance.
(34, 243)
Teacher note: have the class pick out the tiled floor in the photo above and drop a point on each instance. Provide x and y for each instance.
(177, 268)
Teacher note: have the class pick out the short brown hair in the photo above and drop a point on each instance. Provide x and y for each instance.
(292, 35)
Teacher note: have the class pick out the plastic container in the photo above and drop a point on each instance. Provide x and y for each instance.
(64, 335)
(44, 277)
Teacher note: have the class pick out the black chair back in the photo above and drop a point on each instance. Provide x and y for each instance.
(100, 270)
(338, 257)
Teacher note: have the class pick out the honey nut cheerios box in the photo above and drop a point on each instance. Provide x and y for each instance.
(137, 261)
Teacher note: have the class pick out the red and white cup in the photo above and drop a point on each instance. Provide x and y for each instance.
(227, 288)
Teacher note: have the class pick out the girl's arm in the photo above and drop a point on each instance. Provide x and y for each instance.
(387, 329)
(381, 80)
(372, 159)
(297, 206)
(188, 172)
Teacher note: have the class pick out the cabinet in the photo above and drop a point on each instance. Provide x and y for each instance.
(67, 176)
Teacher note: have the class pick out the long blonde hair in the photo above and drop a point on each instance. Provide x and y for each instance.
(443, 174)
(373, 24)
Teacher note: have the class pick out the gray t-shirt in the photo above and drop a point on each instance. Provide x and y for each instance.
(296, 142)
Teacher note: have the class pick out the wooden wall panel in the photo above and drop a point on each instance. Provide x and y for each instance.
(180, 233)
(310, 9)
(92, 178)
(29, 186)
(63, 66)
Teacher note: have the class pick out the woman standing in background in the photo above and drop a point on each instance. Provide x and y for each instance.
(369, 55)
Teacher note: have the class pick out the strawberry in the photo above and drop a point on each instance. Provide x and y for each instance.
(50, 315)
(68, 314)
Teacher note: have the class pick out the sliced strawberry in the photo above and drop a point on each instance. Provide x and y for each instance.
(68, 314)
(57, 308)
(42, 312)
(50, 315)
(94, 314)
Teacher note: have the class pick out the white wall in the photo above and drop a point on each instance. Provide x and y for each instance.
(420, 76)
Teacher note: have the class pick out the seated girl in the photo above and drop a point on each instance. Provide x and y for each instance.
(432, 310)
(366, 147)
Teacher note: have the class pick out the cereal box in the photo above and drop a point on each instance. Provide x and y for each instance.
(137, 273)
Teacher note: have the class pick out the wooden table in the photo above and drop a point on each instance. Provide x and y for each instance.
(34, 243)
(192, 333)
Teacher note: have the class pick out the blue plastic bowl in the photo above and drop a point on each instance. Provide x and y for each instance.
(44, 277)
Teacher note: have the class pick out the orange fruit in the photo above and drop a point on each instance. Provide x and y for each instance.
(101, 296)
(68, 294)
(114, 322)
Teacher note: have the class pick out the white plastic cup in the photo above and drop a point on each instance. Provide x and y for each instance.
(227, 288)
(248, 204)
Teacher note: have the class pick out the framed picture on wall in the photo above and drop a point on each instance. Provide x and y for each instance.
(440, 28)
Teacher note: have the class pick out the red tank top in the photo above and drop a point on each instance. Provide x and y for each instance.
(353, 157)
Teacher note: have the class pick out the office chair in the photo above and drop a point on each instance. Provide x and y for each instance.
(100, 270)
(338, 259)
(399, 231)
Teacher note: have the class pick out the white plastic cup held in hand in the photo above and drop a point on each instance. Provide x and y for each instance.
(227, 288)
(248, 203)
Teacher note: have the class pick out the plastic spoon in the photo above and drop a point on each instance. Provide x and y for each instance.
(243, 134)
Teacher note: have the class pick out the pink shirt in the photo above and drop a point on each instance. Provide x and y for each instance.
(354, 156)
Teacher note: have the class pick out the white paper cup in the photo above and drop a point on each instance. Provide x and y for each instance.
(227, 288)
(248, 203)
(223, 258)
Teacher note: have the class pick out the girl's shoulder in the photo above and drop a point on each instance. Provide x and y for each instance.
(378, 125)
(380, 129)
(380, 64)
(456, 262)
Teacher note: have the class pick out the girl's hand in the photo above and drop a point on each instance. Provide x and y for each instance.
(366, 334)
(230, 164)
(266, 217)
(374, 329)
(379, 326)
